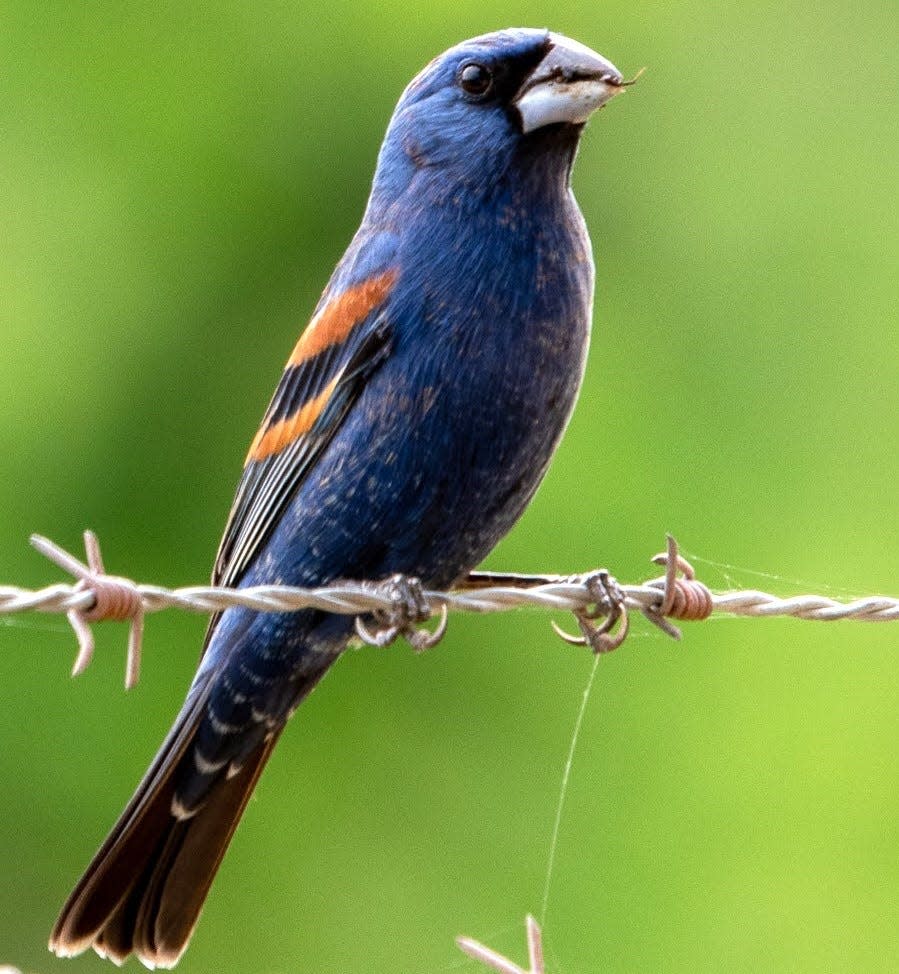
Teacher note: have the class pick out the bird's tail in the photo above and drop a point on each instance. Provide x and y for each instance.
(145, 888)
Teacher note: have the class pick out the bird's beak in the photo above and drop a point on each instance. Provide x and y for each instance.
(568, 85)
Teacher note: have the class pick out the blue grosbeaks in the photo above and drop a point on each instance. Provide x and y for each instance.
(415, 419)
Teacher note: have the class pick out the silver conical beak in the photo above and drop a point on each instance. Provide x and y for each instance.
(568, 85)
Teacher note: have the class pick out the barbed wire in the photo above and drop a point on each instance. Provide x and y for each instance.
(399, 606)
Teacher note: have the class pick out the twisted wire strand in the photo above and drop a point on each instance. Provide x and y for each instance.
(590, 597)
(352, 598)
(349, 599)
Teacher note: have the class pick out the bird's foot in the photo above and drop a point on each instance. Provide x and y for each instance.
(408, 609)
(608, 603)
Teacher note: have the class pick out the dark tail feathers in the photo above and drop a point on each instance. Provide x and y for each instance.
(144, 890)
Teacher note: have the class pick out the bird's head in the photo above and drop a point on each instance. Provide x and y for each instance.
(488, 101)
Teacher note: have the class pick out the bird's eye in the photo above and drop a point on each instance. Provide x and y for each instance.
(475, 79)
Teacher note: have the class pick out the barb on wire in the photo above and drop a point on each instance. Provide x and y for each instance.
(399, 606)
(490, 958)
(112, 598)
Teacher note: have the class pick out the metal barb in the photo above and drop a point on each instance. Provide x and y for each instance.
(114, 598)
(490, 958)
(682, 598)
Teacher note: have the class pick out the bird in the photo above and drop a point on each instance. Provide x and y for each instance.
(412, 424)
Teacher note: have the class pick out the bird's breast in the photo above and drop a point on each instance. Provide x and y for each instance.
(486, 368)
(451, 436)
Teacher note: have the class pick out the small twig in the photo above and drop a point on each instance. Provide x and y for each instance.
(502, 964)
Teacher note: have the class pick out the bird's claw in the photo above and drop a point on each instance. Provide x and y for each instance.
(408, 610)
(607, 603)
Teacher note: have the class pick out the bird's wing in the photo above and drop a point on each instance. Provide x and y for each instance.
(344, 343)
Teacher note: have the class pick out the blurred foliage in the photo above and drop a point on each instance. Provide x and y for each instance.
(177, 181)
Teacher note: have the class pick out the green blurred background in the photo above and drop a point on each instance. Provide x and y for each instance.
(177, 181)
